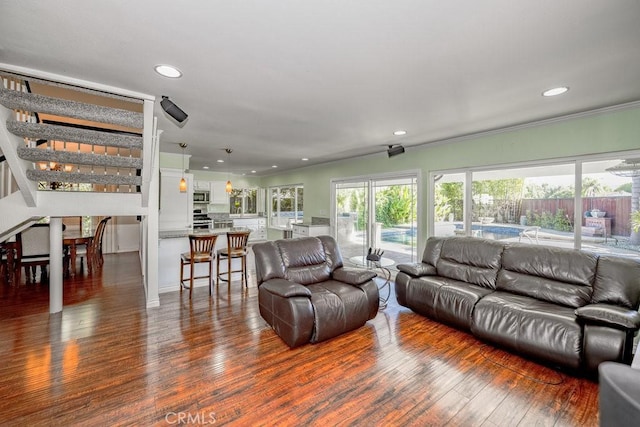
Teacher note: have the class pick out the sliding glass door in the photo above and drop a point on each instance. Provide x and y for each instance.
(378, 213)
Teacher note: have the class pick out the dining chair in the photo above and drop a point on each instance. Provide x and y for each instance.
(201, 248)
(236, 248)
(93, 250)
(8, 259)
(33, 251)
(96, 243)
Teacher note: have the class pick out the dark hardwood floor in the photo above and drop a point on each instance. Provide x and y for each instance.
(106, 360)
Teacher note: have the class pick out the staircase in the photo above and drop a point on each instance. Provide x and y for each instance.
(61, 141)
(69, 147)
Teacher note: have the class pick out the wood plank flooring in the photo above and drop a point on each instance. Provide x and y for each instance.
(106, 360)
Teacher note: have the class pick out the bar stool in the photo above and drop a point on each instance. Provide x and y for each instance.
(236, 248)
(201, 250)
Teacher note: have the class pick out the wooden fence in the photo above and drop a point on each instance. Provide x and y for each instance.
(618, 208)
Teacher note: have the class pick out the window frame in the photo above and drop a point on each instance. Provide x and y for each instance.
(297, 188)
(576, 161)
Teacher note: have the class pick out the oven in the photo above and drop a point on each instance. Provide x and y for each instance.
(201, 220)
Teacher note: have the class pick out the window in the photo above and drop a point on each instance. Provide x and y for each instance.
(243, 201)
(584, 204)
(286, 205)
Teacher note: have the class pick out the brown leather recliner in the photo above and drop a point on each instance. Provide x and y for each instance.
(305, 292)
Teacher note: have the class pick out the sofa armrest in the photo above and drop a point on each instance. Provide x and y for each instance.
(610, 315)
(353, 276)
(285, 288)
(417, 269)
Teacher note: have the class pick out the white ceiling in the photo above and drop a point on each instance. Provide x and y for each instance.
(278, 80)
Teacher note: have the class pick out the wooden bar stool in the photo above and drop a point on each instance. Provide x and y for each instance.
(201, 250)
(236, 248)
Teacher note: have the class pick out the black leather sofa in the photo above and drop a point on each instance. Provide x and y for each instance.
(566, 307)
(307, 295)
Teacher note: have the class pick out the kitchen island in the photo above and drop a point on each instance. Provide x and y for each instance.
(172, 243)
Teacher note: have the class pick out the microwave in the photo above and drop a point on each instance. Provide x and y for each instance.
(201, 197)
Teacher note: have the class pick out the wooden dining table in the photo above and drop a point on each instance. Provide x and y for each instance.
(71, 240)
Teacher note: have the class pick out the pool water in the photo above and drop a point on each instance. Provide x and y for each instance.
(408, 236)
(401, 236)
(493, 232)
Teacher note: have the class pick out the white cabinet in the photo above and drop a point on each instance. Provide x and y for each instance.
(303, 230)
(176, 208)
(219, 196)
(202, 185)
(258, 227)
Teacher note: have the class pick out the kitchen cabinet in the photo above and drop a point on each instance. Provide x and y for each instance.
(202, 185)
(176, 208)
(305, 230)
(258, 227)
(219, 196)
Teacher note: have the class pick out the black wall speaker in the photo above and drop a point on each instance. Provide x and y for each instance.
(395, 150)
(173, 110)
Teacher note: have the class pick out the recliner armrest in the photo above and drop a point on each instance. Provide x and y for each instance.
(353, 276)
(610, 315)
(418, 269)
(285, 288)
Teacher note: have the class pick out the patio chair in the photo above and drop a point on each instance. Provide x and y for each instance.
(531, 233)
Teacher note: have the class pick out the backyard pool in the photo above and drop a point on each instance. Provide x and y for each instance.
(494, 232)
(403, 236)
(407, 236)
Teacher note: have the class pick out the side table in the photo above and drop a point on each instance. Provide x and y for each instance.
(381, 266)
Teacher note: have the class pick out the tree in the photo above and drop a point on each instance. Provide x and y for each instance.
(592, 187)
(624, 188)
(448, 199)
(394, 205)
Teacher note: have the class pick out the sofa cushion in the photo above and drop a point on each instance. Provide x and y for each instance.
(550, 274)
(470, 260)
(617, 282)
(432, 250)
(338, 308)
(443, 299)
(536, 328)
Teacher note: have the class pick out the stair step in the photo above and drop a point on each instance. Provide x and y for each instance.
(71, 134)
(59, 176)
(75, 158)
(61, 107)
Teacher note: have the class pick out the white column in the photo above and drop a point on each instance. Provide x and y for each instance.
(55, 265)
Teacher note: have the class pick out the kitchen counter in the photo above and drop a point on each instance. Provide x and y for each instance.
(176, 234)
(307, 230)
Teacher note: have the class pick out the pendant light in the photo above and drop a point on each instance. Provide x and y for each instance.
(183, 182)
(228, 187)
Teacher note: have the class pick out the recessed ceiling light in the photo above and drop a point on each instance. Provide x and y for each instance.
(400, 132)
(220, 161)
(253, 171)
(274, 166)
(304, 159)
(168, 71)
(555, 91)
(205, 167)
